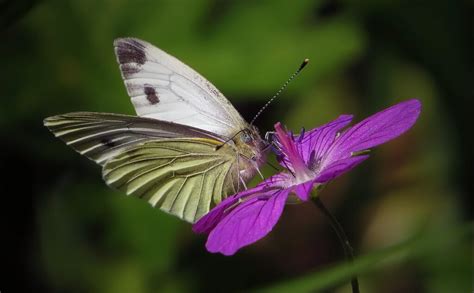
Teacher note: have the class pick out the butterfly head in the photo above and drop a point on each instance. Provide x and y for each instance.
(251, 145)
(252, 150)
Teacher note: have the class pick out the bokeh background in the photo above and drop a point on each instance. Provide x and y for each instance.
(407, 210)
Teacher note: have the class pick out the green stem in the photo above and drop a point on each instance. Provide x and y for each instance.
(348, 251)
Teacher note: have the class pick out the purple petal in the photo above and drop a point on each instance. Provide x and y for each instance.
(314, 144)
(303, 190)
(338, 168)
(211, 219)
(248, 222)
(374, 130)
(280, 180)
(206, 223)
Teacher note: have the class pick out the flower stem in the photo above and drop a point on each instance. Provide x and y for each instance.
(348, 251)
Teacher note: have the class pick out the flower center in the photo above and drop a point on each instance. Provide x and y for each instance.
(295, 162)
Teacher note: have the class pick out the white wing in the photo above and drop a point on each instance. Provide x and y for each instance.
(162, 87)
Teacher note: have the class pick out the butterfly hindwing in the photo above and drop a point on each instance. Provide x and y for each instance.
(164, 88)
(180, 176)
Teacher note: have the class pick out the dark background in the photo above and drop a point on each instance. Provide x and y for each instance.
(65, 231)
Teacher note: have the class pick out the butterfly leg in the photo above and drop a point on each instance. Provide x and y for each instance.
(243, 182)
(258, 170)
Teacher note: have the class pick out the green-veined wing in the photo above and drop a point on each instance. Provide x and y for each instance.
(175, 167)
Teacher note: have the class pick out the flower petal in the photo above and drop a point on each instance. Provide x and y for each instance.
(209, 221)
(338, 168)
(248, 222)
(206, 223)
(303, 190)
(315, 143)
(374, 130)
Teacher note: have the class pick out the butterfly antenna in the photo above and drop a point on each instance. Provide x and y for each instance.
(305, 62)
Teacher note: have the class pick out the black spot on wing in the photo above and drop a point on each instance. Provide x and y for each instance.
(129, 68)
(151, 95)
(130, 51)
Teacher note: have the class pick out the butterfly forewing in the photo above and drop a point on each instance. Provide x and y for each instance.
(183, 153)
(164, 88)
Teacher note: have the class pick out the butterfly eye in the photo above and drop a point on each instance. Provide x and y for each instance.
(246, 137)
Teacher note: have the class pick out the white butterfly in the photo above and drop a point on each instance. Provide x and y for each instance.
(188, 148)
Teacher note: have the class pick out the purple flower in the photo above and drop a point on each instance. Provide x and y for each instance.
(311, 159)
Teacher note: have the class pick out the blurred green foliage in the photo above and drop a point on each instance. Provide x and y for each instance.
(421, 246)
(67, 232)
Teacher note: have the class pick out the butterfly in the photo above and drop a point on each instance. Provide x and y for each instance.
(186, 150)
